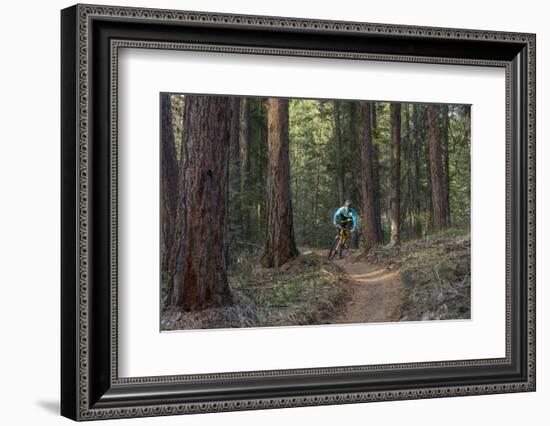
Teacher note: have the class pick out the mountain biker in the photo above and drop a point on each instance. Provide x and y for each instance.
(343, 215)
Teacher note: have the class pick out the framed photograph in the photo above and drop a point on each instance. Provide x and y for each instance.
(263, 212)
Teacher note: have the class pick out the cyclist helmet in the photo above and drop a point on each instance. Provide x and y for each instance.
(347, 203)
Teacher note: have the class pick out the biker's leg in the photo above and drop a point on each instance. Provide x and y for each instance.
(347, 240)
(342, 245)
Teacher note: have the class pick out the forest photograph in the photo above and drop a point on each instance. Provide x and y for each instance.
(280, 212)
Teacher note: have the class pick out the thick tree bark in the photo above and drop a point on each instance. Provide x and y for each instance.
(235, 208)
(244, 143)
(395, 112)
(339, 152)
(369, 225)
(416, 187)
(280, 245)
(199, 262)
(439, 202)
(169, 181)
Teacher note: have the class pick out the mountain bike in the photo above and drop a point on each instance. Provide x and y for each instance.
(340, 241)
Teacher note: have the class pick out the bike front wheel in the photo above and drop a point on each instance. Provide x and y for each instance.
(334, 248)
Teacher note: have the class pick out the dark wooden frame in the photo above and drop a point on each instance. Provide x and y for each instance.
(90, 386)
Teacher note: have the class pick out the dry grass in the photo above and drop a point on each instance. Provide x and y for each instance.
(436, 275)
(308, 290)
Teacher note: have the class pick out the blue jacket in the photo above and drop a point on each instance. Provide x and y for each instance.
(350, 215)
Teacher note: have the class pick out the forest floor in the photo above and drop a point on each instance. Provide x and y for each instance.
(307, 290)
(434, 274)
(422, 279)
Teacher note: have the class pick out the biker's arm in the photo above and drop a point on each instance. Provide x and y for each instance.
(335, 217)
(355, 220)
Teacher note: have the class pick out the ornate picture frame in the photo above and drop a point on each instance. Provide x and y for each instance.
(91, 36)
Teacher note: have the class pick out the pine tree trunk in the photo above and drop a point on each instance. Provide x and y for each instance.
(338, 149)
(374, 121)
(425, 152)
(395, 111)
(199, 262)
(280, 245)
(445, 149)
(260, 166)
(406, 196)
(355, 161)
(376, 173)
(235, 208)
(169, 176)
(317, 185)
(244, 143)
(416, 190)
(369, 225)
(439, 202)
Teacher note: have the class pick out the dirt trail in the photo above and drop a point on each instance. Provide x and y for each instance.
(377, 292)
